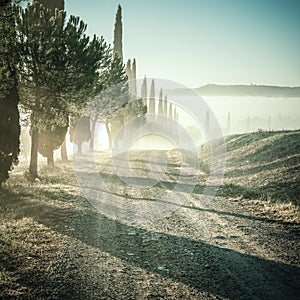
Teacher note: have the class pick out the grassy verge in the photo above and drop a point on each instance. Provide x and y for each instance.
(264, 168)
(30, 252)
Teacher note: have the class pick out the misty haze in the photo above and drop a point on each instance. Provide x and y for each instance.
(149, 149)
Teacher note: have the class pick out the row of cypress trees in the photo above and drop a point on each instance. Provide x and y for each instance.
(163, 108)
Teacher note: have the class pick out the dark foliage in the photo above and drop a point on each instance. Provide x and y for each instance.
(9, 97)
(80, 130)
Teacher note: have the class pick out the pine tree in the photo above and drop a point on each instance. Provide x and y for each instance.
(59, 69)
(53, 136)
(118, 49)
(152, 98)
(108, 103)
(9, 97)
(53, 4)
(35, 29)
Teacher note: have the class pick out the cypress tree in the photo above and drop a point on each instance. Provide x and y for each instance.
(118, 48)
(133, 79)
(165, 106)
(9, 97)
(228, 123)
(144, 91)
(171, 112)
(165, 110)
(152, 98)
(160, 102)
(170, 123)
(128, 73)
(207, 122)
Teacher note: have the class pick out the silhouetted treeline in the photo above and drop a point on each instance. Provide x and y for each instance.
(248, 90)
(52, 70)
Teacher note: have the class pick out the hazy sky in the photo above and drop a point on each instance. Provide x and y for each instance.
(195, 42)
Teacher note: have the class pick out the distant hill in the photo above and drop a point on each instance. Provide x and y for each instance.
(248, 90)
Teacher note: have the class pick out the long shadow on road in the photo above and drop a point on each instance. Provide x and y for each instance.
(223, 272)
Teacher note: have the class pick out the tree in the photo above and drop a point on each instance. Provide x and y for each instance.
(9, 97)
(152, 98)
(207, 122)
(118, 94)
(112, 96)
(165, 111)
(118, 48)
(100, 60)
(40, 38)
(128, 69)
(50, 140)
(165, 106)
(134, 113)
(60, 5)
(133, 79)
(170, 112)
(59, 69)
(144, 91)
(228, 123)
(80, 131)
(53, 4)
(160, 102)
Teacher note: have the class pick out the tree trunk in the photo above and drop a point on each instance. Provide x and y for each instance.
(79, 149)
(109, 135)
(34, 152)
(92, 140)
(63, 151)
(50, 159)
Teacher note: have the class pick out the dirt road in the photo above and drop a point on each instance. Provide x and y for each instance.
(216, 251)
(213, 251)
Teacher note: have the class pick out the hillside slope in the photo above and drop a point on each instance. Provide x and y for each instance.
(264, 165)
